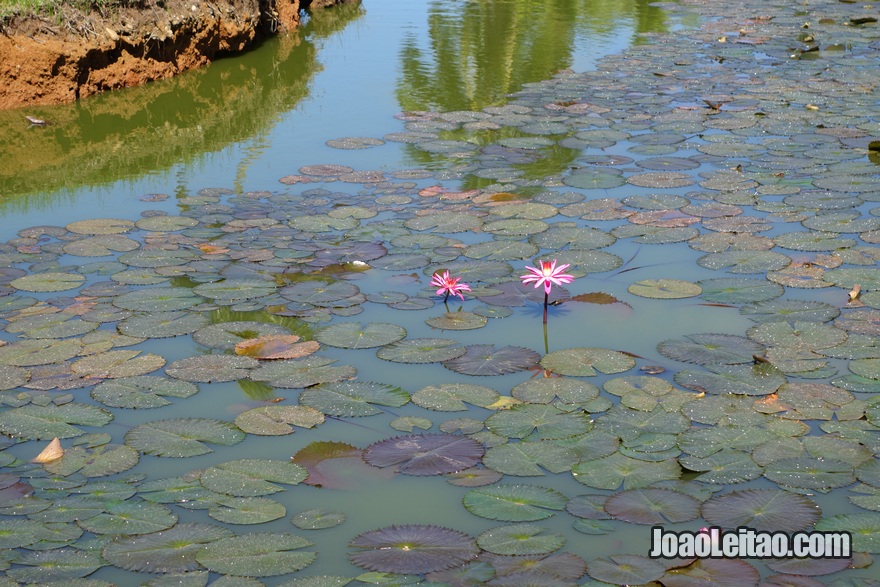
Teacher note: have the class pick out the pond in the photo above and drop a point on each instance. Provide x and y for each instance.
(226, 295)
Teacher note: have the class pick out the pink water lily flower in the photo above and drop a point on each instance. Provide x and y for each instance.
(449, 284)
(548, 274)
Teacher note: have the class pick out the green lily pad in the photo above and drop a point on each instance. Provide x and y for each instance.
(745, 261)
(544, 420)
(581, 362)
(151, 258)
(230, 291)
(18, 533)
(29, 353)
(355, 335)
(453, 397)
(353, 398)
(518, 539)
(167, 223)
(771, 510)
(810, 473)
(251, 477)
(709, 348)
(514, 502)
(545, 390)
(226, 335)
(130, 517)
(162, 324)
(144, 391)
(35, 422)
(728, 465)
(412, 548)
(652, 506)
(318, 292)
(158, 299)
(863, 526)
(421, 350)
(48, 282)
(713, 571)
(739, 290)
(617, 470)
(301, 373)
(529, 459)
(182, 437)
(457, 321)
(63, 565)
(211, 368)
(100, 461)
(247, 510)
(59, 325)
(788, 310)
(664, 289)
(278, 420)
(260, 554)
(594, 179)
(317, 519)
(117, 364)
(762, 379)
(168, 551)
(100, 226)
(626, 569)
(444, 223)
(486, 359)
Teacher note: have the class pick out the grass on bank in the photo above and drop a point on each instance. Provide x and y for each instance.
(10, 9)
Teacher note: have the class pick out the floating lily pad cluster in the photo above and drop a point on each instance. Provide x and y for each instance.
(770, 188)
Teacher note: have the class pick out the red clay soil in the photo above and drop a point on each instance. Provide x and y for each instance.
(58, 60)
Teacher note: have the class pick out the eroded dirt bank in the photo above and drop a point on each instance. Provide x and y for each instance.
(53, 61)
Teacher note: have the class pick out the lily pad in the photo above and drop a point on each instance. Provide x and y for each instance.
(162, 324)
(48, 282)
(738, 290)
(486, 359)
(762, 379)
(529, 459)
(652, 506)
(762, 509)
(863, 526)
(317, 519)
(412, 548)
(546, 421)
(425, 454)
(709, 348)
(713, 571)
(277, 420)
(810, 473)
(355, 335)
(145, 391)
(35, 422)
(167, 551)
(182, 437)
(519, 539)
(626, 569)
(158, 299)
(301, 373)
(211, 368)
(457, 321)
(453, 397)
(581, 362)
(251, 477)
(353, 398)
(226, 335)
(421, 350)
(259, 554)
(615, 470)
(514, 502)
(130, 517)
(664, 289)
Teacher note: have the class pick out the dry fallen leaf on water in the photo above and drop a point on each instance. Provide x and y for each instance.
(855, 292)
(52, 452)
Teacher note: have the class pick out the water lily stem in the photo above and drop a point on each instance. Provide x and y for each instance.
(546, 296)
(546, 346)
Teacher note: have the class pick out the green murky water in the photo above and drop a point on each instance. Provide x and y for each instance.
(711, 189)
